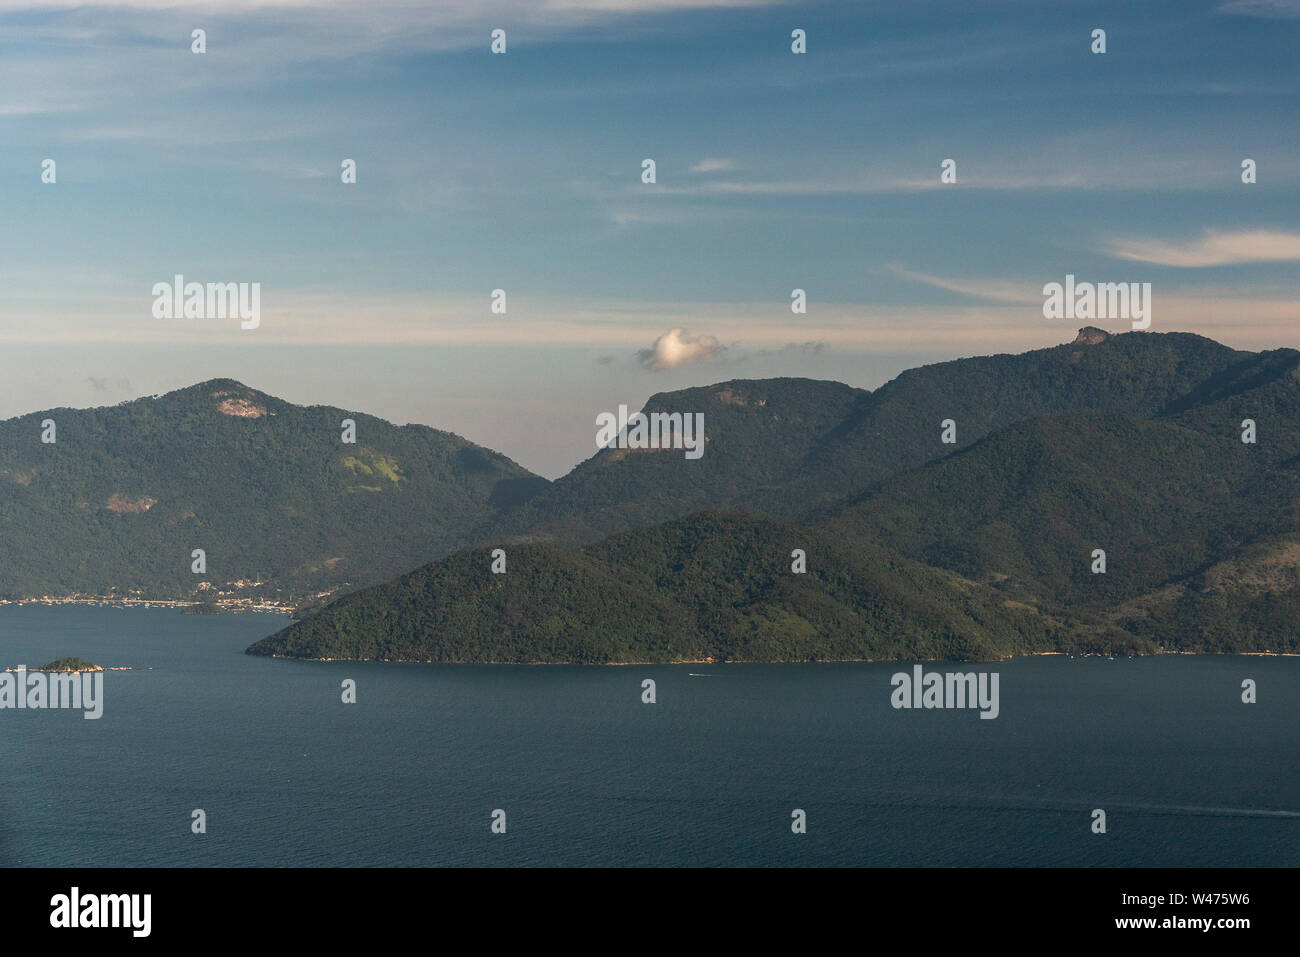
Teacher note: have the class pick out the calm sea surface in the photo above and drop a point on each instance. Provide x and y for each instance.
(588, 775)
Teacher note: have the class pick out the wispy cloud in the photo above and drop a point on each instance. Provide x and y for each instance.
(815, 348)
(650, 216)
(385, 11)
(713, 166)
(991, 290)
(1037, 168)
(830, 185)
(1269, 9)
(643, 6)
(1212, 249)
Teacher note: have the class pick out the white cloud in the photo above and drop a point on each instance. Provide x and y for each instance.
(1212, 249)
(677, 347)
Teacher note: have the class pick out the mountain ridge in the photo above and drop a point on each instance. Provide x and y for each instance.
(1128, 442)
(1136, 453)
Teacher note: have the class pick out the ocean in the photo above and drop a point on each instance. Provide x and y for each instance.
(587, 774)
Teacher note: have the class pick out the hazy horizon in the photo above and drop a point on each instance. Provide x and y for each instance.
(306, 391)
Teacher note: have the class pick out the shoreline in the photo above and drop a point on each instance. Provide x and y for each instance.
(70, 671)
(820, 661)
(226, 605)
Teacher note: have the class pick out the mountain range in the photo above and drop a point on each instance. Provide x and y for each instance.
(987, 546)
(912, 546)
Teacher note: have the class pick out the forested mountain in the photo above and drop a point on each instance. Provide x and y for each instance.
(269, 491)
(790, 448)
(758, 435)
(1197, 526)
(915, 546)
(714, 585)
(1131, 445)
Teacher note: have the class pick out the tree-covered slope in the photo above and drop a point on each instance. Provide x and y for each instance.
(714, 585)
(267, 489)
(1128, 443)
(974, 551)
(1249, 601)
(757, 432)
(793, 448)
(899, 427)
(1168, 498)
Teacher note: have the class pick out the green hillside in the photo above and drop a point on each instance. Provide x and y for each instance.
(793, 448)
(715, 585)
(758, 433)
(1028, 505)
(1130, 444)
(1184, 510)
(266, 488)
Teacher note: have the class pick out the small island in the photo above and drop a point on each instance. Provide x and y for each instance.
(69, 664)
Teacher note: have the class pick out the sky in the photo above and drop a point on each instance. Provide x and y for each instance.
(522, 172)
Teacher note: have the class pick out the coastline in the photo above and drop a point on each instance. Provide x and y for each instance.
(819, 661)
(113, 601)
(236, 605)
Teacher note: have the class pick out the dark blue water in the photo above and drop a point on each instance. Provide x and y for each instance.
(588, 775)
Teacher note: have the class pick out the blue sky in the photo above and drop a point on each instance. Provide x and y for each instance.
(522, 172)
